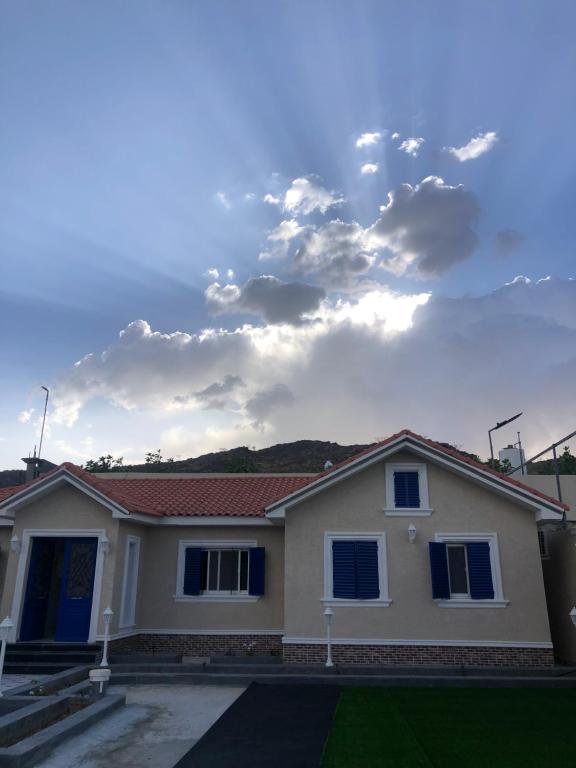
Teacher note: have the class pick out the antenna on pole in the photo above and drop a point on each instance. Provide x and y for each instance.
(43, 420)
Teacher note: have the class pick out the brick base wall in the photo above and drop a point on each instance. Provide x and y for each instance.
(200, 645)
(423, 655)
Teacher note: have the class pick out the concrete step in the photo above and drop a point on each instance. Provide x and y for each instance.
(35, 669)
(47, 657)
(251, 661)
(390, 680)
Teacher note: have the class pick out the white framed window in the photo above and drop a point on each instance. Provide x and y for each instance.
(130, 582)
(543, 545)
(355, 569)
(224, 571)
(407, 490)
(471, 571)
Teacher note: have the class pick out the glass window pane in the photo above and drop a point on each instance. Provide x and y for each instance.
(213, 569)
(244, 570)
(204, 571)
(229, 570)
(457, 569)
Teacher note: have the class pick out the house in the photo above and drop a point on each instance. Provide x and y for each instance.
(424, 557)
(558, 551)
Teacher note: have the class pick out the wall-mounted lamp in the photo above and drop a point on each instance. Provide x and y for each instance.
(572, 615)
(105, 545)
(15, 544)
(412, 533)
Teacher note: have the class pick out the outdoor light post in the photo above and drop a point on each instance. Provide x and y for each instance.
(5, 628)
(328, 613)
(107, 616)
(572, 615)
(498, 425)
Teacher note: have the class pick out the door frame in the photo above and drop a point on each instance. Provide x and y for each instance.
(23, 568)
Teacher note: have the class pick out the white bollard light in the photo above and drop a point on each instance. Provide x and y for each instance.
(328, 613)
(107, 616)
(5, 628)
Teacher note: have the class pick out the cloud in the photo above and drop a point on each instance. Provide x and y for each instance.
(369, 168)
(266, 296)
(215, 395)
(411, 146)
(428, 227)
(263, 404)
(25, 416)
(476, 147)
(336, 253)
(280, 238)
(423, 230)
(506, 241)
(223, 200)
(368, 139)
(212, 273)
(365, 368)
(395, 135)
(272, 199)
(306, 195)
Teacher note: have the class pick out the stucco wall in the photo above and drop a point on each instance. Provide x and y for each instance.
(158, 608)
(560, 566)
(5, 536)
(356, 505)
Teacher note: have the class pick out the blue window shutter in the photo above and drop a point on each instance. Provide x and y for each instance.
(192, 567)
(406, 489)
(367, 583)
(344, 569)
(439, 571)
(480, 570)
(256, 571)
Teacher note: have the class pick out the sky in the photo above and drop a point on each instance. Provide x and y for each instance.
(246, 222)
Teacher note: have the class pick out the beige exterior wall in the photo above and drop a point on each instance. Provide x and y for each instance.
(356, 505)
(5, 536)
(560, 566)
(158, 608)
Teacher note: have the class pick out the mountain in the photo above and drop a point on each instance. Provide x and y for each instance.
(300, 456)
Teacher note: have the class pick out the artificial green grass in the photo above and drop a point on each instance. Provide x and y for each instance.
(453, 728)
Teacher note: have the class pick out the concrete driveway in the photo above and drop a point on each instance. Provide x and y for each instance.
(159, 724)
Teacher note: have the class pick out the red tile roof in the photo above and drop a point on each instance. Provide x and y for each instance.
(238, 495)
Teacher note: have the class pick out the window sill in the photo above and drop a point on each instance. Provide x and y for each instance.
(407, 512)
(345, 603)
(469, 603)
(216, 598)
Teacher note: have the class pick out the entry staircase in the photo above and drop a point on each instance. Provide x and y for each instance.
(46, 658)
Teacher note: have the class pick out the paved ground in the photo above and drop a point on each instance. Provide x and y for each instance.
(159, 724)
(284, 726)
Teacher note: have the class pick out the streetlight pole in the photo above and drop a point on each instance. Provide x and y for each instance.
(498, 425)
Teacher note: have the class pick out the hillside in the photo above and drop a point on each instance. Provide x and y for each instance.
(300, 456)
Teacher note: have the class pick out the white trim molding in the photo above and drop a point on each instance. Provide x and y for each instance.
(22, 571)
(407, 466)
(416, 642)
(380, 537)
(212, 597)
(191, 631)
(123, 622)
(491, 539)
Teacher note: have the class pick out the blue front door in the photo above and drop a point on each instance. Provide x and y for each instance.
(76, 588)
(38, 589)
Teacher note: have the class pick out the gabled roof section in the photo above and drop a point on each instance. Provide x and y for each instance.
(157, 496)
(406, 439)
